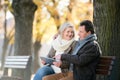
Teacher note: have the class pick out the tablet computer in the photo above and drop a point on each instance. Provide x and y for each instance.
(47, 60)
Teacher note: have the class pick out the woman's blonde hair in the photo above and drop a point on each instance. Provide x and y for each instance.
(64, 26)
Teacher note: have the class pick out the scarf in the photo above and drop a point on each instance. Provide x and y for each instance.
(81, 43)
(60, 44)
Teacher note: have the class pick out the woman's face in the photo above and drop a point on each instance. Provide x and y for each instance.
(68, 33)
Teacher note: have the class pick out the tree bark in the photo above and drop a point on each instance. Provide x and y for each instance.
(24, 15)
(107, 22)
(37, 46)
(4, 51)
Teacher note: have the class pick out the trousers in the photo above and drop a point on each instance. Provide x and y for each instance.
(41, 72)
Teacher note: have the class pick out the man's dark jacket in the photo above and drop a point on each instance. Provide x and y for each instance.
(85, 61)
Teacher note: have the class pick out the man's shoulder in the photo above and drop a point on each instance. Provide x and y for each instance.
(95, 43)
(92, 43)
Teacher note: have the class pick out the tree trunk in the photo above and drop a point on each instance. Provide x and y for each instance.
(24, 14)
(107, 22)
(37, 46)
(4, 51)
(10, 50)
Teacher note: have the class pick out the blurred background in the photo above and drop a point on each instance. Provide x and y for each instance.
(27, 27)
(48, 17)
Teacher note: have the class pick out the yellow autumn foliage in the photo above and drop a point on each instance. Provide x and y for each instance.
(48, 17)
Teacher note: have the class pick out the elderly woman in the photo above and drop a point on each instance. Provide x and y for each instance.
(63, 44)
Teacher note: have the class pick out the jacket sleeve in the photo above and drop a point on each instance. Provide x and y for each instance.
(51, 53)
(65, 63)
(84, 57)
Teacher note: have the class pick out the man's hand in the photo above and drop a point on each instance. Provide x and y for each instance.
(57, 63)
(58, 57)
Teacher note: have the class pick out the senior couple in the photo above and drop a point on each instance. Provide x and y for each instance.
(75, 60)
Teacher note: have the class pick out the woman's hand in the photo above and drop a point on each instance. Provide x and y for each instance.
(58, 57)
(43, 62)
(55, 36)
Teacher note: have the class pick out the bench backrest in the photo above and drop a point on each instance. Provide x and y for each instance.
(19, 62)
(105, 65)
(16, 62)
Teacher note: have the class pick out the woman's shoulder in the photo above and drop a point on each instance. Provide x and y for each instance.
(74, 43)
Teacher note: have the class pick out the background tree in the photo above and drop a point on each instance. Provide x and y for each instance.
(8, 38)
(23, 11)
(0, 5)
(107, 22)
(8, 34)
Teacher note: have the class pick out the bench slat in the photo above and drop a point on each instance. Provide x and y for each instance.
(106, 62)
(103, 67)
(103, 72)
(16, 63)
(15, 66)
(18, 57)
(16, 60)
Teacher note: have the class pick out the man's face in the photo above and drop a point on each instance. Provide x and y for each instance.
(82, 32)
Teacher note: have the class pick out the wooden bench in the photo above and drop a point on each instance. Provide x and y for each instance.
(105, 67)
(22, 63)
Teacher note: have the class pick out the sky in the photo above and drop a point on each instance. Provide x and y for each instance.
(9, 15)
